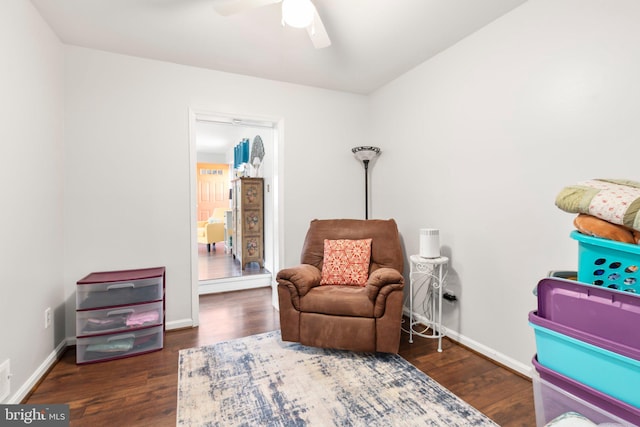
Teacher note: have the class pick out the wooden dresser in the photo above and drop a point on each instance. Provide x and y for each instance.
(248, 220)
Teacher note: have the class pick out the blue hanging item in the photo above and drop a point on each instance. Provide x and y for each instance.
(235, 156)
(245, 150)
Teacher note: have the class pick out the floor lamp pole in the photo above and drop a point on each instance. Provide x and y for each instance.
(366, 188)
(365, 154)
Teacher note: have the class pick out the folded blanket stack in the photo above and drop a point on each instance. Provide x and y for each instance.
(606, 208)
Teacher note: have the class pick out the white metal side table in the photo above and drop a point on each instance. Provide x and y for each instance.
(427, 279)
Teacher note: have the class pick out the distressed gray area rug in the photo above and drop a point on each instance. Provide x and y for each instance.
(262, 381)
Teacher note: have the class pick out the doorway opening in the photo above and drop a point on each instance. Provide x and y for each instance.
(213, 137)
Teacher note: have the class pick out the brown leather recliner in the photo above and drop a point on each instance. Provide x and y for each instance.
(345, 317)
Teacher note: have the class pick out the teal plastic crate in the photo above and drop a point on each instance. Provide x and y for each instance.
(604, 370)
(607, 263)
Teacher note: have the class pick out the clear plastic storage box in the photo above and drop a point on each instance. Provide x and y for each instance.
(554, 395)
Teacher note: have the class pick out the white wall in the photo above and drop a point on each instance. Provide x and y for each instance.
(31, 136)
(480, 139)
(212, 158)
(127, 201)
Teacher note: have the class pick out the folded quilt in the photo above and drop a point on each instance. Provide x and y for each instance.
(615, 201)
(596, 227)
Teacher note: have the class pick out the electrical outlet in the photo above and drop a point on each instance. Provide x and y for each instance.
(449, 296)
(47, 317)
(5, 377)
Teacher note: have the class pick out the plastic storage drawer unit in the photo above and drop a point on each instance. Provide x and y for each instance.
(607, 263)
(119, 314)
(590, 334)
(554, 394)
(118, 319)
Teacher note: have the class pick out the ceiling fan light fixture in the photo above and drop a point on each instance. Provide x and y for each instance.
(297, 13)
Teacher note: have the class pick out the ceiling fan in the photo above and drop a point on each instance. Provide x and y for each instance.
(295, 13)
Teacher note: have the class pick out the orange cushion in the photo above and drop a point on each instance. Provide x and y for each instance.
(346, 262)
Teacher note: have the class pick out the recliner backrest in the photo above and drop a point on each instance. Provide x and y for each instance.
(386, 250)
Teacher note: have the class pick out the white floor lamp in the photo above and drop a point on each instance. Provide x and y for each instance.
(365, 154)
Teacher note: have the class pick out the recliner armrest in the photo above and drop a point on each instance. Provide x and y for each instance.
(382, 277)
(382, 283)
(302, 278)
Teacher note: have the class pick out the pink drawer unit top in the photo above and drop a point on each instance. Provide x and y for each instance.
(122, 275)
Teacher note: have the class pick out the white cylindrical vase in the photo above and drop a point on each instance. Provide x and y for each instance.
(429, 243)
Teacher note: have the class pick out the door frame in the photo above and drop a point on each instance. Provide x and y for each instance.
(277, 220)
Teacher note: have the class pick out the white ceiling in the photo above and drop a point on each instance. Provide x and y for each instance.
(373, 41)
(216, 135)
(214, 138)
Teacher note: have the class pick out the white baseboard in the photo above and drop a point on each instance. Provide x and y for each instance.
(492, 354)
(38, 374)
(234, 284)
(178, 324)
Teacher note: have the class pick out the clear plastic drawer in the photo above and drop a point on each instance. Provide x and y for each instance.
(118, 319)
(111, 294)
(116, 346)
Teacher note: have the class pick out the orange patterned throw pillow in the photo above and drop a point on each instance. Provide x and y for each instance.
(346, 262)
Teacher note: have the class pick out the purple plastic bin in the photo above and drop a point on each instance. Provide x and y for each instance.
(603, 401)
(602, 317)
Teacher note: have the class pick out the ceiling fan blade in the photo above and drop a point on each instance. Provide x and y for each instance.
(317, 32)
(231, 7)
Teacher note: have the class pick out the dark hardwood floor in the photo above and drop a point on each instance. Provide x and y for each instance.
(142, 390)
